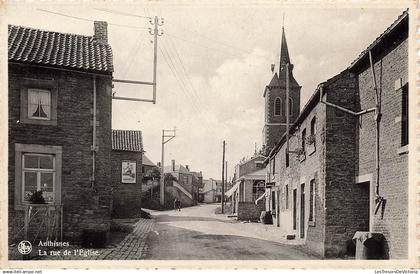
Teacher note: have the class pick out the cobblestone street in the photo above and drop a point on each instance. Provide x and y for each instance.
(133, 247)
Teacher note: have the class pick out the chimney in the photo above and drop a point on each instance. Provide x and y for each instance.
(100, 32)
(187, 167)
(173, 165)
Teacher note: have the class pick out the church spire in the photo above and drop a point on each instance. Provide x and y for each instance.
(284, 54)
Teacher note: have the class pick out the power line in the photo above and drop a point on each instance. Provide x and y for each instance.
(123, 13)
(171, 66)
(179, 79)
(215, 41)
(178, 58)
(89, 20)
(203, 46)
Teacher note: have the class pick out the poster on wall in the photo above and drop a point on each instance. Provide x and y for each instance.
(128, 174)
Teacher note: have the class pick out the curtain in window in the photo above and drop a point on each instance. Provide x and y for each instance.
(39, 103)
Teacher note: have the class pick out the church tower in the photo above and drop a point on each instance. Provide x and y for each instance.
(275, 99)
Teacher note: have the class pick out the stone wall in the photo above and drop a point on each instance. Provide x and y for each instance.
(126, 197)
(86, 205)
(345, 201)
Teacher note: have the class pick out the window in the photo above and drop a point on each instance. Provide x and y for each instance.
(287, 158)
(303, 139)
(404, 116)
(38, 102)
(38, 173)
(312, 201)
(277, 106)
(258, 189)
(273, 167)
(313, 126)
(290, 107)
(287, 196)
(37, 167)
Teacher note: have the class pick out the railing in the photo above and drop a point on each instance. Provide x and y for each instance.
(51, 220)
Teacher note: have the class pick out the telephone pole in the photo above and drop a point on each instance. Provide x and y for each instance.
(226, 178)
(156, 22)
(167, 135)
(223, 179)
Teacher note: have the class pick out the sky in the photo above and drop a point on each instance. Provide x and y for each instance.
(213, 65)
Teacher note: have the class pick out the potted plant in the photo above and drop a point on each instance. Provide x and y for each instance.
(37, 198)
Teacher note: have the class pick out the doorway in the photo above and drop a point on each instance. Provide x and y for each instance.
(302, 210)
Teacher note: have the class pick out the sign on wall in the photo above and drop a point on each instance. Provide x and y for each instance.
(128, 172)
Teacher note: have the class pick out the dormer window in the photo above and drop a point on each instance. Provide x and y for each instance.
(39, 104)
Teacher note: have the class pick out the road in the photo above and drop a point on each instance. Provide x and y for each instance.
(196, 233)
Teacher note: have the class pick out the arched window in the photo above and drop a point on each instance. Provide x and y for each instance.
(277, 106)
(290, 107)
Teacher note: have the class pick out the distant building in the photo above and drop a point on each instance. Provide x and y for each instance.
(127, 173)
(186, 184)
(249, 186)
(211, 191)
(323, 191)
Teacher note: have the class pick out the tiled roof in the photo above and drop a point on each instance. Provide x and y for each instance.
(127, 140)
(71, 51)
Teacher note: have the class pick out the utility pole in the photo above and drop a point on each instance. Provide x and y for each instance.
(167, 135)
(226, 178)
(155, 34)
(156, 22)
(223, 178)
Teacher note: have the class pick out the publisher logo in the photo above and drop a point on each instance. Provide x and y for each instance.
(24, 247)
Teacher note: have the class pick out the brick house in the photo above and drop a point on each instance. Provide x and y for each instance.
(127, 173)
(322, 192)
(390, 57)
(56, 82)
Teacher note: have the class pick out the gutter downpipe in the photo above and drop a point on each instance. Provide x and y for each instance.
(93, 148)
(378, 116)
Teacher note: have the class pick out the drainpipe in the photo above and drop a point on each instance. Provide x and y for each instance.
(378, 116)
(93, 148)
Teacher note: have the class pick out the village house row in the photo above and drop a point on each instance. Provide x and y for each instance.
(325, 190)
(70, 174)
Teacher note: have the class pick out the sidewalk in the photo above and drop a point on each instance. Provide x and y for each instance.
(133, 247)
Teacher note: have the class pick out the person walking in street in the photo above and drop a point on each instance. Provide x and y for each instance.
(177, 204)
